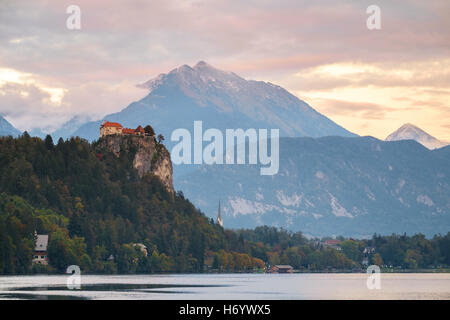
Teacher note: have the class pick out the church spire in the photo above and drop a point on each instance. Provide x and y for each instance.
(219, 217)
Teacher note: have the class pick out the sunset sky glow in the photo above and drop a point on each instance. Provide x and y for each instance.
(369, 81)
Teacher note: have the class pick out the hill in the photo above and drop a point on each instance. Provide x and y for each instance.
(96, 201)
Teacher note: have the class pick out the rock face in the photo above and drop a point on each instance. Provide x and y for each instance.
(148, 156)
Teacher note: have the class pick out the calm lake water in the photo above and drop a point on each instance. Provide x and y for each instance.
(228, 286)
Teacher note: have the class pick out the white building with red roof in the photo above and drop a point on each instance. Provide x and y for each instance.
(40, 249)
(107, 128)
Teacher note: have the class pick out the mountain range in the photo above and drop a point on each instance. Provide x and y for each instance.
(333, 186)
(68, 128)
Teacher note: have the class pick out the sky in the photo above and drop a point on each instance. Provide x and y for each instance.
(369, 81)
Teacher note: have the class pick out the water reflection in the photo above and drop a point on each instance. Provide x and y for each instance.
(227, 286)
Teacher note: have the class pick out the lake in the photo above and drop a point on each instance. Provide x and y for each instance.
(228, 286)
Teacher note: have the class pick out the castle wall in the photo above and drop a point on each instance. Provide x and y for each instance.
(105, 131)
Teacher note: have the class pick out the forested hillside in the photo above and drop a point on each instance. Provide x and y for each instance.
(94, 205)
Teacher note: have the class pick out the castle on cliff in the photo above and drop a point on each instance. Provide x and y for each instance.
(108, 128)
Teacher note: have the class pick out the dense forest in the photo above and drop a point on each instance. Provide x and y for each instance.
(393, 251)
(96, 210)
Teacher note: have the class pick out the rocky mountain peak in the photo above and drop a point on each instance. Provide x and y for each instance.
(409, 131)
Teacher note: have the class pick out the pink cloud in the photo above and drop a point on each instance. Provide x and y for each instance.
(133, 41)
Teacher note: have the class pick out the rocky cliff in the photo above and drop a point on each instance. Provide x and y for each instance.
(147, 155)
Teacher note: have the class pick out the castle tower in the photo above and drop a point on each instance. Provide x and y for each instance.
(108, 128)
(219, 217)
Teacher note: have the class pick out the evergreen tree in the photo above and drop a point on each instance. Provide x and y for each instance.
(49, 142)
(149, 130)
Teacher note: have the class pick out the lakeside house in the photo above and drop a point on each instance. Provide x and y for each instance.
(281, 268)
(40, 249)
(334, 244)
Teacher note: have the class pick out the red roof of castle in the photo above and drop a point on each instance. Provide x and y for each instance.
(127, 131)
(111, 124)
(139, 129)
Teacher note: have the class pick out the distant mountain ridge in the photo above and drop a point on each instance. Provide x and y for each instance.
(69, 127)
(333, 185)
(411, 132)
(221, 100)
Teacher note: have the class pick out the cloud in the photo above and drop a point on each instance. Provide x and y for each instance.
(99, 98)
(29, 104)
(254, 35)
(291, 43)
(380, 119)
(364, 110)
(427, 75)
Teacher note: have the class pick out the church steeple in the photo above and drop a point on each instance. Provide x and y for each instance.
(219, 217)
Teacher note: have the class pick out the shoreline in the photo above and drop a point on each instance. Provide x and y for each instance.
(383, 270)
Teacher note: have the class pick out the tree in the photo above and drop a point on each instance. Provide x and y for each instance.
(49, 142)
(413, 259)
(127, 259)
(351, 250)
(149, 130)
(258, 263)
(160, 138)
(274, 258)
(377, 260)
(292, 257)
(78, 205)
(60, 252)
(197, 248)
(75, 225)
(166, 263)
(215, 264)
